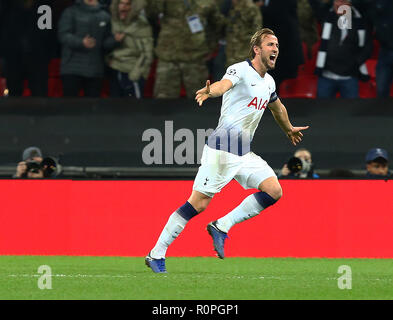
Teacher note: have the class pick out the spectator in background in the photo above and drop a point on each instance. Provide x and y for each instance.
(345, 47)
(299, 166)
(130, 61)
(308, 25)
(281, 16)
(377, 163)
(381, 12)
(85, 35)
(105, 4)
(217, 61)
(183, 45)
(26, 49)
(244, 19)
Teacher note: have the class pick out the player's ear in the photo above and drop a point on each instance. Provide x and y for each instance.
(257, 49)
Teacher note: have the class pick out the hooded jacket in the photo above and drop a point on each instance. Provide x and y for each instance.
(75, 23)
(135, 53)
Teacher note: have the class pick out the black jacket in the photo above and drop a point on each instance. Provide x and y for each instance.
(19, 34)
(344, 52)
(281, 17)
(75, 23)
(381, 13)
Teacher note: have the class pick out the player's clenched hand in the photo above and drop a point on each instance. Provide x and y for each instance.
(295, 135)
(203, 94)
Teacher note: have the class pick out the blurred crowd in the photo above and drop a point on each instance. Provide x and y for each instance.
(168, 48)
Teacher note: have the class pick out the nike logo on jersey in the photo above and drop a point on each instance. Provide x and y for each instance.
(253, 84)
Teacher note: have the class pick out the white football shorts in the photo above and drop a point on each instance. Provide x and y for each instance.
(219, 167)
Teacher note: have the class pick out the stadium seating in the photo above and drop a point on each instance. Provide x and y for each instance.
(301, 87)
(55, 88)
(54, 68)
(309, 62)
(149, 85)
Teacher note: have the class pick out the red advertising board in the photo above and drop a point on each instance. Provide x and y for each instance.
(315, 218)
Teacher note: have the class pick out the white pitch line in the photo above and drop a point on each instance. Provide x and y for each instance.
(264, 277)
(73, 276)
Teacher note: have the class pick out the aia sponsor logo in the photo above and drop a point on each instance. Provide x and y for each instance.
(258, 105)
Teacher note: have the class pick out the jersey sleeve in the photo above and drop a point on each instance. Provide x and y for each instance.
(273, 96)
(233, 73)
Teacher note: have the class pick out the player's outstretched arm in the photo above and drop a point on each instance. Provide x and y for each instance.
(280, 114)
(217, 89)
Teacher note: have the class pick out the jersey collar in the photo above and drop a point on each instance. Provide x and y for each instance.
(250, 64)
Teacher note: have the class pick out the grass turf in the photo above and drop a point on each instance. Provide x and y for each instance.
(194, 278)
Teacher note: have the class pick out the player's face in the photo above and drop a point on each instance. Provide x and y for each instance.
(269, 51)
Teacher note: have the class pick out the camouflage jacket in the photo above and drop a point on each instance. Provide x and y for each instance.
(243, 21)
(176, 42)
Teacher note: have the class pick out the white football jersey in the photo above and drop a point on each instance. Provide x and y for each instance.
(242, 108)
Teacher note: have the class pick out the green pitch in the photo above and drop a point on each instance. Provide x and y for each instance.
(194, 278)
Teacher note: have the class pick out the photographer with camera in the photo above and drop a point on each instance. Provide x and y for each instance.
(34, 166)
(299, 166)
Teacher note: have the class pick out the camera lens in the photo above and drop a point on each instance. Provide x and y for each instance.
(294, 164)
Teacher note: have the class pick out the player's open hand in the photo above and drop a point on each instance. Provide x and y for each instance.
(295, 135)
(203, 94)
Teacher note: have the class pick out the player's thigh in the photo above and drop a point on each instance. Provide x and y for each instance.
(257, 174)
(194, 77)
(217, 169)
(168, 80)
(199, 200)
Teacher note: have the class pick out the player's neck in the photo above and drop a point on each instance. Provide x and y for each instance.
(259, 67)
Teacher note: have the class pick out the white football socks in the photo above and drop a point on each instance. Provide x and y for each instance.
(172, 229)
(249, 208)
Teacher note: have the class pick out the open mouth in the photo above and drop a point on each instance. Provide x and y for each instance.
(272, 57)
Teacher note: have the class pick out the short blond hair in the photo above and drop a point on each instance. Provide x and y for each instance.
(257, 38)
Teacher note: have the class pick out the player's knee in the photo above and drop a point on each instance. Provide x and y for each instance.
(274, 191)
(199, 201)
(201, 205)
